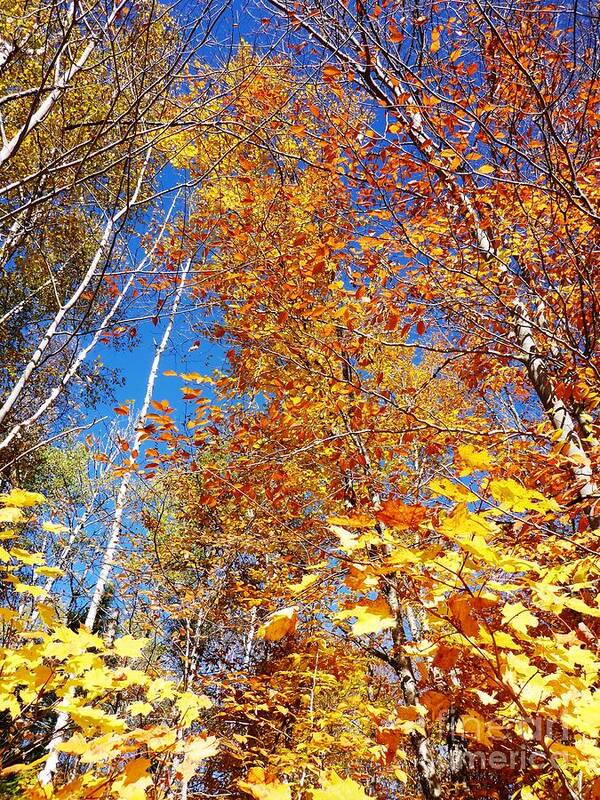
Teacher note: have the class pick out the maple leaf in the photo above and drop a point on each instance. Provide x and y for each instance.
(445, 657)
(355, 521)
(513, 497)
(49, 572)
(518, 617)
(400, 516)
(195, 751)
(11, 515)
(25, 557)
(190, 705)
(133, 782)
(24, 588)
(19, 498)
(462, 612)
(54, 527)
(15, 769)
(129, 647)
(279, 624)
(435, 702)
(452, 490)
(349, 541)
(260, 788)
(333, 787)
(307, 581)
(473, 725)
(472, 459)
(140, 707)
(371, 616)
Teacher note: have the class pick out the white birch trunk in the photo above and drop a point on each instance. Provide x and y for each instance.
(51, 765)
(84, 352)
(109, 230)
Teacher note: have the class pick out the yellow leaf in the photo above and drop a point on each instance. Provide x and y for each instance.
(36, 591)
(19, 498)
(518, 617)
(335, 788)
(273, 790)
(91, 719)
(473, 459)
(140, 707)
(279, 624)
(161, 688)
(451, 490)
(102, 748)
(49, 572)
(190, 705)
(129, 647)
(47, 614)
(513, 497)
(371, 616)
(25, 557)
(358, 521)
(54, 527)
(400, 775)
(462, 523)
(486, 169)
(76, 745)
(16, 768)
(195, 751)
(473, 725)
(12, 515)
(307, 580)
(484, 697)
(156, 738)
(349, 541)
(134, 781)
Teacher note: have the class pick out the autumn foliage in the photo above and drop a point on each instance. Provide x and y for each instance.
(343, 544)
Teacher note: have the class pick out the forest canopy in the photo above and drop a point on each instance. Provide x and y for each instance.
(299, 400)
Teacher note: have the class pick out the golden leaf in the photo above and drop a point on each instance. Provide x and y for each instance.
(134, 781)
(452, 490)
(473, 459)
(12, 515)
(518, 617)
(129, 647)
(335, 788)
(372, 616)
(19, 498)
(279, 624)
(513, 497)
(195, 751)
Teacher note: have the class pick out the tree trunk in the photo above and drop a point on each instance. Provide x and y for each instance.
(103, 248)
(51, 765)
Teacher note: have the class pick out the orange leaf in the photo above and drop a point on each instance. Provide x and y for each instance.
(331, 72)
(446, 657)
(395, 514)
